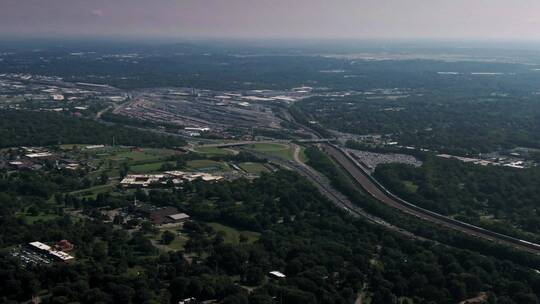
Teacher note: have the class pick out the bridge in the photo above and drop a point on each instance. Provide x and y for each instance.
(271, 141)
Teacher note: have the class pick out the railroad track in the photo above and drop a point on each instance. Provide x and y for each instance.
(379, 192)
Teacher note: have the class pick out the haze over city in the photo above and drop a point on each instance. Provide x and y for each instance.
(310, 19)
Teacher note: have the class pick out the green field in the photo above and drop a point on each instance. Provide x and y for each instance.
(279, 150)
(149, 167)
(207, 165)
(212, 151)
(178, 243)
(302, 155)
(30, 220)
(255, 168)
(145, 155)
(94, 191)
(232, 235)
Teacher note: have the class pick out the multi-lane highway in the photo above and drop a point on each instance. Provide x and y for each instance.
(336, 197)
(377, 191)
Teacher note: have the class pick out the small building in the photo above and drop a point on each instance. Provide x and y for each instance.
(162, 215)
(93, 147)
(277, 274)
(178, 217)
(22, 164)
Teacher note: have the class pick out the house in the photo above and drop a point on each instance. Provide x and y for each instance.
(161, 215)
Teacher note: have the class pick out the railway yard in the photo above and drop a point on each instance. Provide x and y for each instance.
(198, 111)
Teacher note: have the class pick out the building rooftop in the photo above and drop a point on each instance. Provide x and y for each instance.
(40, 246)
(277, 274)
(179, 216)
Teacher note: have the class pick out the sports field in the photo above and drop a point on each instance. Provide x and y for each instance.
(279, 150)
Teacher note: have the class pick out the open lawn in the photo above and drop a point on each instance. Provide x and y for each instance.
(94, 191)
(148, 168)
(212, 151)
(29, 219)
(302, 154)
(232, 235)
(279, 150)
(142, 155)
(178, 243)
(255, 168)
(207, 165)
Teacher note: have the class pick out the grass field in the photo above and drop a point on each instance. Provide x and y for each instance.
(178, 243)
(212, 151)
(94, 191)
(208, 165)
(232, 235)
(145, 155)
(279, 150)
(255, 168)
(149, 167)
(302, 155)
(29, 219)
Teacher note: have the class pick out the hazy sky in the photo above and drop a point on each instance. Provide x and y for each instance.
(368, 19)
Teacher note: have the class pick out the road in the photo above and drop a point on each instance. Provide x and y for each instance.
(324, 186)
(270, 141)
(377, 191)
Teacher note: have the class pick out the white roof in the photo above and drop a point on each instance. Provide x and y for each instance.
(277, 274)
(37, 155)
(40, 245)
(95, 146)
(179, 216)
(61, 255)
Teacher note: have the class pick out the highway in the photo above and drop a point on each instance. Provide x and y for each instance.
(336, 197)
(270, 141)
(379, 192)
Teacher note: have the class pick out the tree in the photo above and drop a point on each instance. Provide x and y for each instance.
(33, 210)
(167, 237)
(104, 178)
(254, 276)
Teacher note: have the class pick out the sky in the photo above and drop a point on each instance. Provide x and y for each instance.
(273, 19)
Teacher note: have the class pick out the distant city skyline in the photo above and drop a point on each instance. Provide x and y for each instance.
(271, 19)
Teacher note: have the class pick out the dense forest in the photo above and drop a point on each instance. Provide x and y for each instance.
(18, 128)
(328, 256)
(491, 196)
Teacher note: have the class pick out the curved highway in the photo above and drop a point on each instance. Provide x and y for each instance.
(336, 197)
(377, 191)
